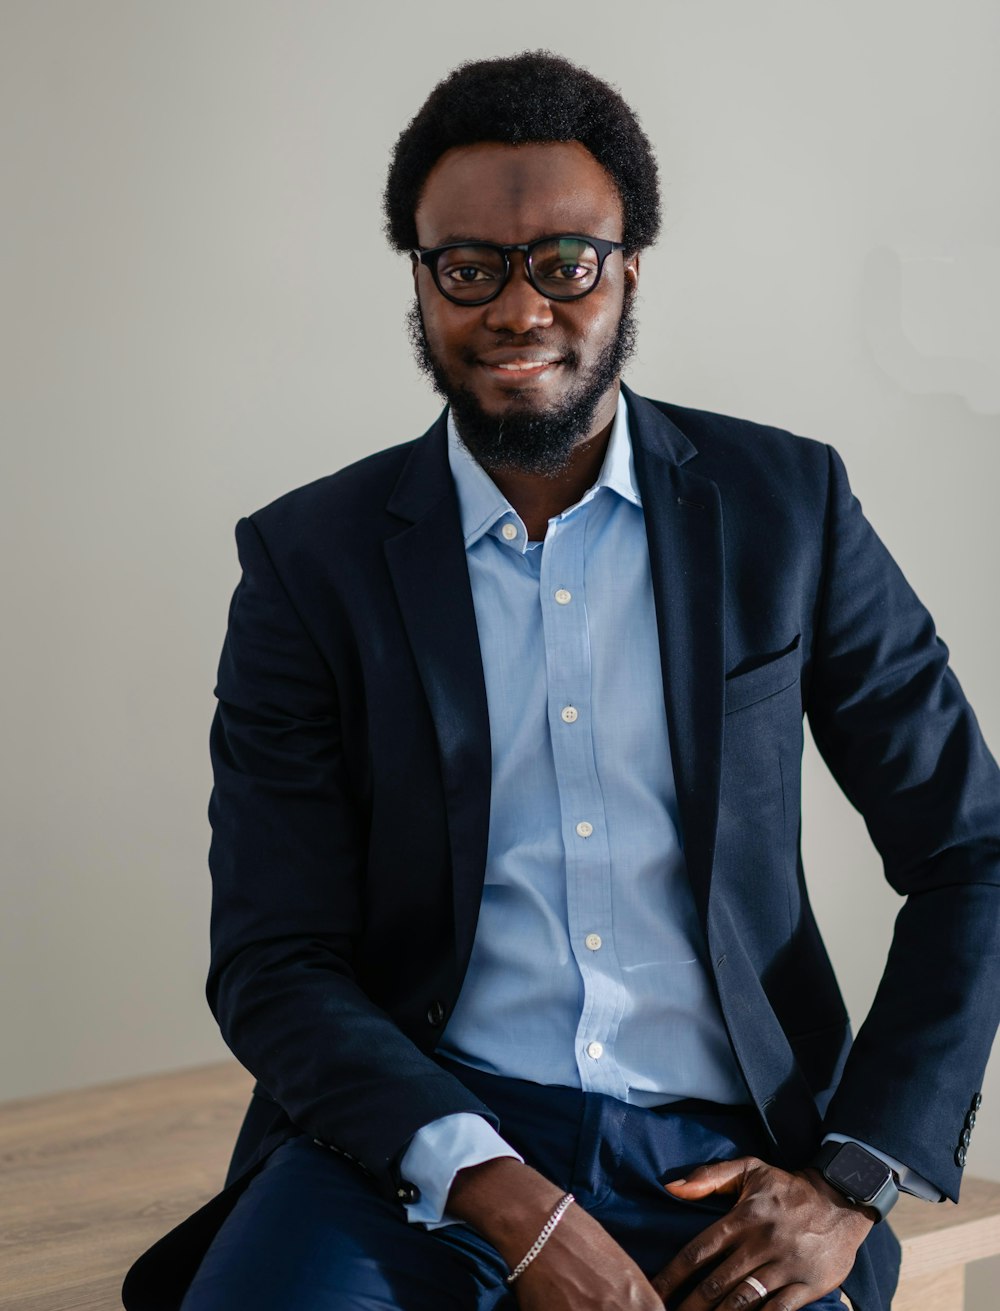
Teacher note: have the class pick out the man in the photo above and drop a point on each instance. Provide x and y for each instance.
(509, 916)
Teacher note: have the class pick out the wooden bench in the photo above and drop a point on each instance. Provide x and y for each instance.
(89, 1179)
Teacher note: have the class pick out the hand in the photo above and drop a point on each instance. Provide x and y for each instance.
(580, 1268)
(794, 1233)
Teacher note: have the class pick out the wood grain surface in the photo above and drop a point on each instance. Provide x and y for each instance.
(88, 1179)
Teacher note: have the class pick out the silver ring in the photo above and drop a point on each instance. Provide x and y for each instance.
(756, 1285)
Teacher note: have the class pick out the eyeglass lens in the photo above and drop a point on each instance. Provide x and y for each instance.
(562, 268)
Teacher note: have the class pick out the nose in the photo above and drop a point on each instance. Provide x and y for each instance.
(519, 307)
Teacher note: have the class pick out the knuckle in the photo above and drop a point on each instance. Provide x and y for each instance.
(711, 1289)
(691, 1254)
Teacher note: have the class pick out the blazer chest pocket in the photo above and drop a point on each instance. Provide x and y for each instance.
(766, 680)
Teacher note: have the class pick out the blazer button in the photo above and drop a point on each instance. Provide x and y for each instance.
(966, 1137)
(960, 1158)
(435, 1014)
(977, 1101)
(970, 1120)
(408, 1192)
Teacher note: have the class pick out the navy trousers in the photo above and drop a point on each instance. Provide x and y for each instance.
(311, 1233)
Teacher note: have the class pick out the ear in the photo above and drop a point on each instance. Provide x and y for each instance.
(632, 271)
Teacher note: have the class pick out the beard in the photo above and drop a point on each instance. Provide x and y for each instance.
(525, 439)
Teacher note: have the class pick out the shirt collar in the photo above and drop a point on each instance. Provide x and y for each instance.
(483, 506)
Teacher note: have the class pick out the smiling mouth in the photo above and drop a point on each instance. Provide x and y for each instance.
(520, 369)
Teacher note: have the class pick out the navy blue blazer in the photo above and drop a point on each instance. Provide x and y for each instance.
(351, 750)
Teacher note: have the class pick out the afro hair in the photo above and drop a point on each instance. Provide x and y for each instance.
(531, 97)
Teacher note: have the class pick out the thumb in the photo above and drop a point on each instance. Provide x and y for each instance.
(716, 1177)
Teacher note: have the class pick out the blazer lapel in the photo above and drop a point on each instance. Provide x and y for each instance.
(683, 514)
(430, 575)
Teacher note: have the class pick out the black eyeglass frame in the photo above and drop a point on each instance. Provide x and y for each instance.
(429, 258)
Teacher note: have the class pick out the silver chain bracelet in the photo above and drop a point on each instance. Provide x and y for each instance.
(542, 1238)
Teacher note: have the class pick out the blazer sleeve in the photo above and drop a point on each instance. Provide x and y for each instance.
(287, 858)
(895, 729)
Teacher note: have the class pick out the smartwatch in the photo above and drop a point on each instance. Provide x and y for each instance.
(862, 1177)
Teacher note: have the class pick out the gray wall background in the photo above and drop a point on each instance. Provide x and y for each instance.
(199, 312)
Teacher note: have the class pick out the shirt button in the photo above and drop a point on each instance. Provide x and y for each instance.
(593, 941)
(562, 596)
(595, 1050)
(584, 829)
(509, 531)
(569, 714)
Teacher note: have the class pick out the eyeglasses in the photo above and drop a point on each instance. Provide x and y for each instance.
(559, 267)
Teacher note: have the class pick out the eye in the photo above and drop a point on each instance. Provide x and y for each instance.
(566, 272)
(570, 272)
(566, 261)
(467, 273)
(470, 266)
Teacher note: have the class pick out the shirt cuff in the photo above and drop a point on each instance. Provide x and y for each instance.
(436, 1154)
(909, 1180)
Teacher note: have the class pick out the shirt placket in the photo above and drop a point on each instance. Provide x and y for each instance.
(581, 800)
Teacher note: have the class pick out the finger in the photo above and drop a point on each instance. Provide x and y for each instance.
(716, 1177)
(704, 1249)
(792, 1297)
(780, 1296)
(729, 1280)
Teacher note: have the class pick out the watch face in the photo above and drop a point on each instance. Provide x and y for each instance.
(858, 1172)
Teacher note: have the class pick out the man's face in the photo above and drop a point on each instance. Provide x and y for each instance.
(566, 355)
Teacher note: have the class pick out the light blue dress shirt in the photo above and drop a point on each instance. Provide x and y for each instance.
(588, 966)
